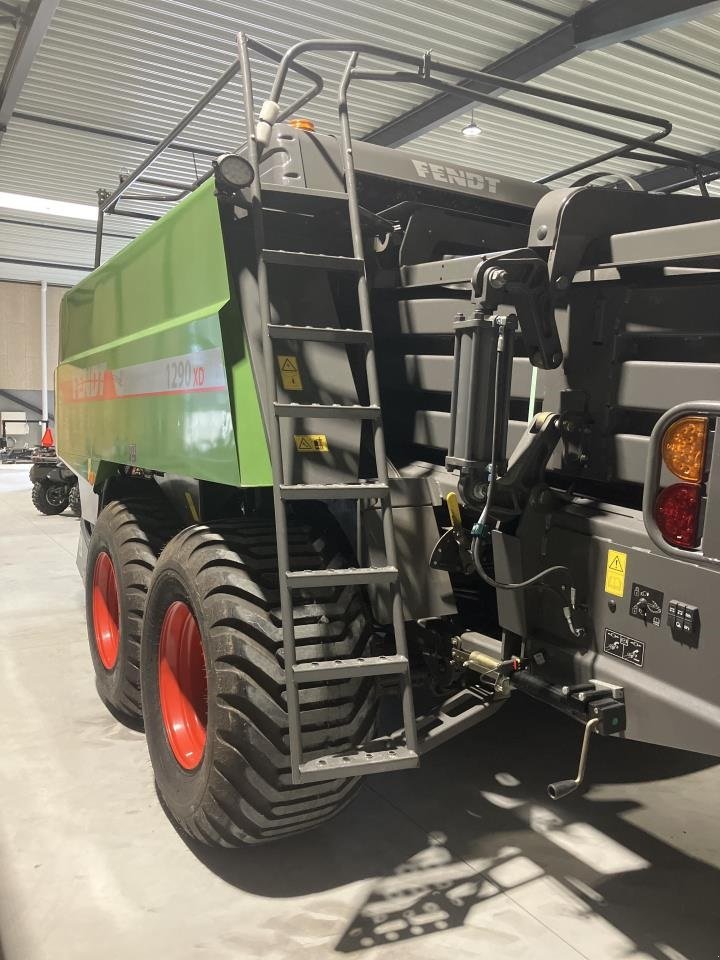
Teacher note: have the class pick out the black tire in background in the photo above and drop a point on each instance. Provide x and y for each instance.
(123, 550)
(214, 606)
(74, 500)
(50, 498)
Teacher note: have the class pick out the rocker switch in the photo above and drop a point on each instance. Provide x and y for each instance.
(684, 621)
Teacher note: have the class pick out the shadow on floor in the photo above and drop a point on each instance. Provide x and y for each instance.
(475, 822)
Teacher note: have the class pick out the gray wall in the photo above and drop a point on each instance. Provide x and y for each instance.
(20, 362)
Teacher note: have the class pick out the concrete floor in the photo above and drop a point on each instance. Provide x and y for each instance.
(465, 858)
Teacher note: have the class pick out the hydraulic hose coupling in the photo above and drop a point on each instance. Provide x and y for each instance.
(268, 115)
(479, 529)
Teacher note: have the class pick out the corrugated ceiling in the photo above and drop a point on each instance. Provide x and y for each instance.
(136, 66)
(623, 75)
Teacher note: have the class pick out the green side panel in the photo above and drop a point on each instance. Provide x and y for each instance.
(154, 370)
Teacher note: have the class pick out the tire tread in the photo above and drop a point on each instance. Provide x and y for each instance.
(249, 797)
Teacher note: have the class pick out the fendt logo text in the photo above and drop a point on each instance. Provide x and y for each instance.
(455, 176)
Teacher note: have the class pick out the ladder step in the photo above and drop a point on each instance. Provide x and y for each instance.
(352, 411)
(350, 669)
(320, 261)
(342, 576)
(357, 763)
(333, 491)
(319, 334)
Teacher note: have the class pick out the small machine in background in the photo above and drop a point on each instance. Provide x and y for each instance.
(55, 488)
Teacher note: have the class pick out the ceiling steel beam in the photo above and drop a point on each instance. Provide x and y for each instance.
(36, 19)
(13, 9)
(552, 48)
(63, 228)
(45, 263)
(598, 25)
(676, 177)
(201, 151)
(602, 23)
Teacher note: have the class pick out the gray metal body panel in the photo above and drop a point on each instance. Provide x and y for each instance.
(697, 243)
(637, 339)
(313, 160)
(674, 698)
(301, 178)
(426, 592)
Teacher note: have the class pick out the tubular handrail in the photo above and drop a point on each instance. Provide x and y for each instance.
(424, 72)
(425, 64)
(109, 204)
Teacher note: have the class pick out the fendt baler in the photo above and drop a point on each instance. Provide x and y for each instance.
(349, 421)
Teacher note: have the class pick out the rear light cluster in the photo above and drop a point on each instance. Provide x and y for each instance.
(677, 507)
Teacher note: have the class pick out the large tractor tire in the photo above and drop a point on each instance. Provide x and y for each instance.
(50, 498)
(213, 682)
(123, 550)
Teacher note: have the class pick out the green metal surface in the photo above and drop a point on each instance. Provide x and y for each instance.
(154, 370)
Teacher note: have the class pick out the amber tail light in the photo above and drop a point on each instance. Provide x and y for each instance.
(677, 507)
(683, 448)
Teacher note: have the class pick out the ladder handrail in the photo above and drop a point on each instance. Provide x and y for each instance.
(398, 616)
(289, 580)
(272, 427)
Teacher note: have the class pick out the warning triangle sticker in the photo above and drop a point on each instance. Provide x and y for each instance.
(616, 565)
(289, 365)
(305, 444)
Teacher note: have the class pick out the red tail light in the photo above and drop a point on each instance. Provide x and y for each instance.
(677, 509)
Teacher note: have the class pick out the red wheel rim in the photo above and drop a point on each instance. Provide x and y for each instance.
(183, 685)
(105, 610)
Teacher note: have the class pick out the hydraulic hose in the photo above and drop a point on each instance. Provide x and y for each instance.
(520, 584)
(479, 529)
(492, 468)
(535, 581)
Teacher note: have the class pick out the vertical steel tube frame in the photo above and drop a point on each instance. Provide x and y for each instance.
(167, 142)
(43, 352)
(273, 427)
(108, 204)
(398, 615)
(99, 235)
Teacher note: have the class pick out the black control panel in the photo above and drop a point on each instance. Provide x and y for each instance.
(684, 621)
(646, 604)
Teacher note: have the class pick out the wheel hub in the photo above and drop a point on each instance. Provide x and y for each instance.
(182, 680)
(55, 495)
(105, 611)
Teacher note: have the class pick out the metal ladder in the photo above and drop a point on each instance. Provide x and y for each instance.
(379, 754)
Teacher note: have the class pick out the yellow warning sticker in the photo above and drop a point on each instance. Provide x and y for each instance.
(615, 573)
(290, 373)
(311, 443)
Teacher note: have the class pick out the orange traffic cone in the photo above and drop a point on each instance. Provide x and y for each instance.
(47, 438)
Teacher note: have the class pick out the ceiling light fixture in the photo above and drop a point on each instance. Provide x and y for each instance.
(52, 208)
(471, 129)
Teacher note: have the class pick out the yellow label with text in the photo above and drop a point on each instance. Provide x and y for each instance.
(615, 573)
(311, 443)
(290, 373)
